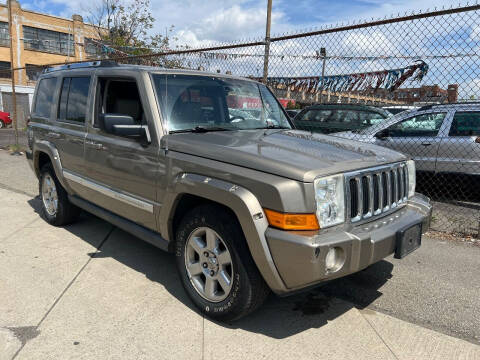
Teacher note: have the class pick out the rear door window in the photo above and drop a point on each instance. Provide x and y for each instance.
(73, 99)
(317, 115)
(465, 124)
(44, 97)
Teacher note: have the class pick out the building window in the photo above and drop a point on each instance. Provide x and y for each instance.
(5, 71)
(93, 49)
(48, 41)
(4, 34)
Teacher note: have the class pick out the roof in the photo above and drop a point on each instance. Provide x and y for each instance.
(458, 105)
(346, 107)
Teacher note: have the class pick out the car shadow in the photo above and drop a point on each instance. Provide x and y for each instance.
(279, 317)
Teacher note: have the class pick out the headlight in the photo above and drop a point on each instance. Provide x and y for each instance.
(411, 177)
(329, 195)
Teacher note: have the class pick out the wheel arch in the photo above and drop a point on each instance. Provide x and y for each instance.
(193, 189)
(44, 152)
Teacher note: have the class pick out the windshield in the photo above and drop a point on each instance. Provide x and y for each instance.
(189, 102)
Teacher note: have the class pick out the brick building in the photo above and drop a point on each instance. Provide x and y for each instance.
(38, 39)
(423, 94)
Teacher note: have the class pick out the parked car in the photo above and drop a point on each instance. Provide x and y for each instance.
(440, 138)
(5, 119)
(247, 205)
(293, 112)
(331, 118)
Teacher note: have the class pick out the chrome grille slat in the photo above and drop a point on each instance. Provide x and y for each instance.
(395, 188)
(380, 194)
(378, 191)
(401, 184)
(359, 197)
(389, 190)
(370, 196)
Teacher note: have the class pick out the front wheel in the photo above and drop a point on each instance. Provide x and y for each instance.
(215, 265)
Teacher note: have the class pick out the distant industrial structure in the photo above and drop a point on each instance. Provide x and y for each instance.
(426, 94)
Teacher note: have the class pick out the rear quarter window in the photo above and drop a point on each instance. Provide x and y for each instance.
(44, 97)
(465, 124)
(73, 99)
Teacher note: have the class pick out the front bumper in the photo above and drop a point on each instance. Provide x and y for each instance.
(300, 256)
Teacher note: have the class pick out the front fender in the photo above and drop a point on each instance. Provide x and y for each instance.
(245, 206)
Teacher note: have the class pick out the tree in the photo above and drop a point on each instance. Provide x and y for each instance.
(124, 28)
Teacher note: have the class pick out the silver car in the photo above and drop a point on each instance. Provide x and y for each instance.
(440, 138)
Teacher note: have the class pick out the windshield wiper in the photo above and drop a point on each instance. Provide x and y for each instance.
(199, 129)
(273, 127)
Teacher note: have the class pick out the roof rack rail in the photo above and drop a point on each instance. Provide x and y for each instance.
(79, 65)
(426, 107)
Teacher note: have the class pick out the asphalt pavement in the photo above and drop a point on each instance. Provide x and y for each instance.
(78, 289)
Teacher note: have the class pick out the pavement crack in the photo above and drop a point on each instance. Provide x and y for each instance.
(21, 192)
(376, 332)
(34, 329)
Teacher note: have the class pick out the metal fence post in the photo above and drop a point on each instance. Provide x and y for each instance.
(14, 100)
(267, 41)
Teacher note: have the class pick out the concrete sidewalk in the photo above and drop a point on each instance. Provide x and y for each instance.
(91, 291)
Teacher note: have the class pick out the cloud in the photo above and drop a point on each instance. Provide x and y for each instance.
(375, 43)
(226, 23)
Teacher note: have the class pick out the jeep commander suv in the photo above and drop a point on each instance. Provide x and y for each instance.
(208, 167)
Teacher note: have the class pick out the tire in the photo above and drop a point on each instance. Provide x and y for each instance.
(247, 291)
(2, 124)
(62, 212)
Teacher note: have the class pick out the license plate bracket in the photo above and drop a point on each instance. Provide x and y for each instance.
(408, 240)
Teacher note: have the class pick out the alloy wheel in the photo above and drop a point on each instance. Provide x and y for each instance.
(209, 264)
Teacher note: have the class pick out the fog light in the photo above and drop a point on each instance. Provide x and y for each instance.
(335, 259)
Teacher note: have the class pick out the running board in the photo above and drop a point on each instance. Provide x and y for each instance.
(139, 231)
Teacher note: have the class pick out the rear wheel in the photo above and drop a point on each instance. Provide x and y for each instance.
(215, 265)
(2, 124)
(56, 208)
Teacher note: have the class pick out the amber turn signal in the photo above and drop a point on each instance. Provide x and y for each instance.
(287, 221)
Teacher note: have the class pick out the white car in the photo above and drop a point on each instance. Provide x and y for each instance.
(440, 138)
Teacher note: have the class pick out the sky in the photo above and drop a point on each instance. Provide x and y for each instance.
(199, 22)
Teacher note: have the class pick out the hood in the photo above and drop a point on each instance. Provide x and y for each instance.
(297, 155)
(355, 136)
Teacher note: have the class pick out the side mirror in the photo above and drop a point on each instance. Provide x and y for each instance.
(382, 135)
(124, 125)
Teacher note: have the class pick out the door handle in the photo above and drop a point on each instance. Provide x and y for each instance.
(53, 135)
(96, 146)
(426, 144)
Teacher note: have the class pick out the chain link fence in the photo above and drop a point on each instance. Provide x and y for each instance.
(410, 83)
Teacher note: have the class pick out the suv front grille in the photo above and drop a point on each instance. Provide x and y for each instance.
(376, 191)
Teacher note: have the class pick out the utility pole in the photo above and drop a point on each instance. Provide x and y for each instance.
(267, 41)
(14, 99)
